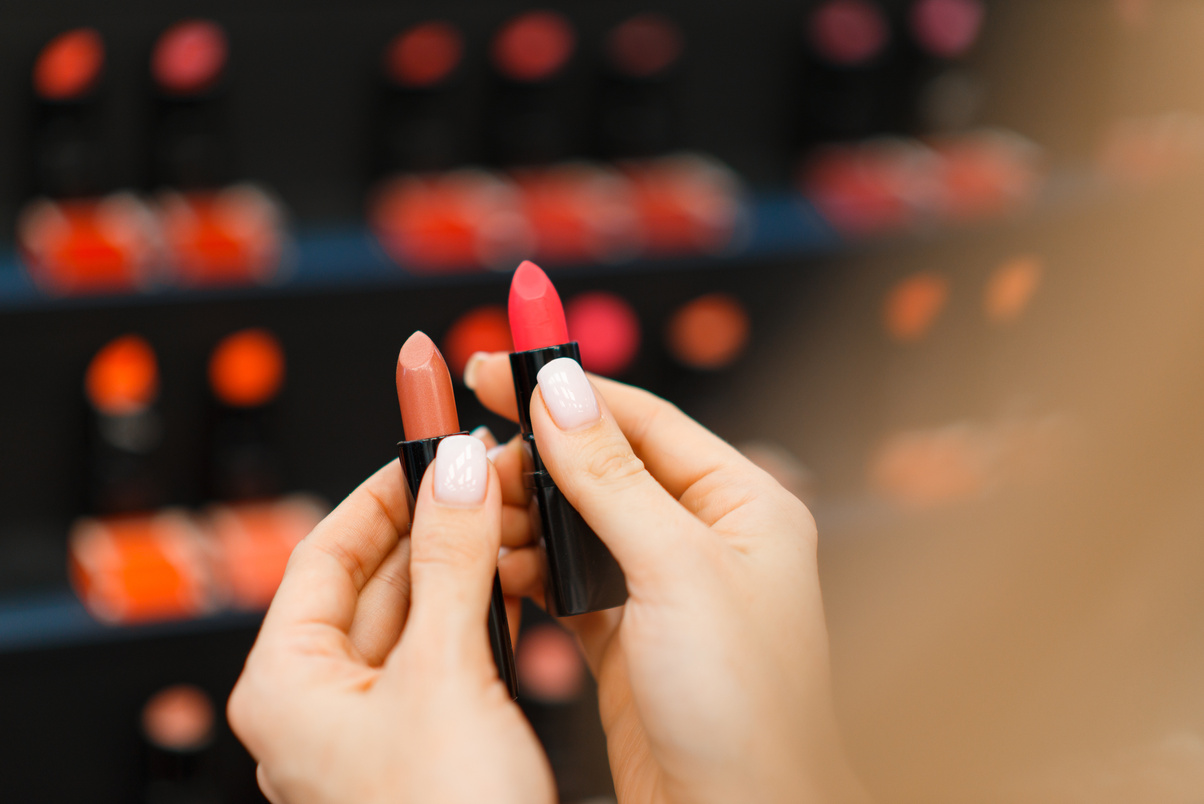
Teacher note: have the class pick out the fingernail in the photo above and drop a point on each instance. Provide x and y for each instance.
(484, 435)
(567, 394)
(471, 368)
(461, 473)
(491, 454)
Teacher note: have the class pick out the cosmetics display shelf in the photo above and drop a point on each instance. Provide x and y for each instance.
(771, 225)
(55, 617)
(332, 257)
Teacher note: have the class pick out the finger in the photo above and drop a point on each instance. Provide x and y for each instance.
(593, 464)
(380, 614)
(453, 554)
(703, 471)
(508, 460)
(333, 563)
(522, 574)
(706, 473)
(487, 374)
(516, 526)
(265, 785)
(485, 436)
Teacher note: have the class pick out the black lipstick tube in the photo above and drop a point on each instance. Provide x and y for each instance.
(582, 575)
(416, 456)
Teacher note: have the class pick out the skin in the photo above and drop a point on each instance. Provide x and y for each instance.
(371, 679)
(713, 678)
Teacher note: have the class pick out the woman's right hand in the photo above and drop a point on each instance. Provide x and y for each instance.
(713, 678)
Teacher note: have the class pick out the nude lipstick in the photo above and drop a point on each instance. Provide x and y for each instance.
(428, 415)
(582, 575)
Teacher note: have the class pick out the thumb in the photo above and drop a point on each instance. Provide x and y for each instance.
(646, 529)
(453, 554)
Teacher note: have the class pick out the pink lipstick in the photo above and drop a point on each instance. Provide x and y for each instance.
(582, 575)
(428, 414)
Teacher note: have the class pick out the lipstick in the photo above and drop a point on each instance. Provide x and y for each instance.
(428, 415)
(422, 105)
(125, 428)
(582, 575)
(529, 118)
(68, 158)
(189, 67)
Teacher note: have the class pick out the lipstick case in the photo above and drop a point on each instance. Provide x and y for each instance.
(416, 456)
(582, 575)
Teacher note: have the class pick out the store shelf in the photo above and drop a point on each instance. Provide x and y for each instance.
(55, 619)
(349, 258)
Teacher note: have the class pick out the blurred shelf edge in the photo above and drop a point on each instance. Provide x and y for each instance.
(55, 618)
(777, 224)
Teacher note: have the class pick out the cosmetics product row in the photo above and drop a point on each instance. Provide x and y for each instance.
(205, 225)
(856, 55)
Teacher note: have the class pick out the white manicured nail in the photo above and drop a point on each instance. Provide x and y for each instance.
(567, 394)
(461, 472)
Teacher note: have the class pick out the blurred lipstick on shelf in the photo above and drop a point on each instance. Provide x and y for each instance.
(463, 220)
(130, 561)
(636, 109)
(246, 375)
(844, 92)
(422, 115)
(941, 91)
(178, 733)
(215, 231)
(68, 83)
(77, 236)
(189, 67)
(251, 543)
(233, 235)
(252, 529)
(136, 568)
(428, 415)
(125, 427)
(528, 119)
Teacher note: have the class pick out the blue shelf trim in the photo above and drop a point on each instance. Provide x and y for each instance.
(57, 619)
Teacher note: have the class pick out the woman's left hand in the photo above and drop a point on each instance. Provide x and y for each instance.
(371, 679)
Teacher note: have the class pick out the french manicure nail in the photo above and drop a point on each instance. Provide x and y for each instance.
(471, 367)
(461, 473)
(567, 394)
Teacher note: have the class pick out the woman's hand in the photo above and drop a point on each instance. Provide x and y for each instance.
(371, 679)
(713, 678)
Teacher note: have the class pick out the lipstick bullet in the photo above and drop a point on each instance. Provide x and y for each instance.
(428, 415)
(582, 575)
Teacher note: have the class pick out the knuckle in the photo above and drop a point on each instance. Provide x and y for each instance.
(444, 547)
(346, 557)
(613, 464)
(396, 578)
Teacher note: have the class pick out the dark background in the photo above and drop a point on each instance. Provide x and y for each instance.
(985, 647)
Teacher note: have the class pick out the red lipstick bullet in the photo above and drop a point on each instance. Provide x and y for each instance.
(536, 315)
(582, 575)
(428, 415)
